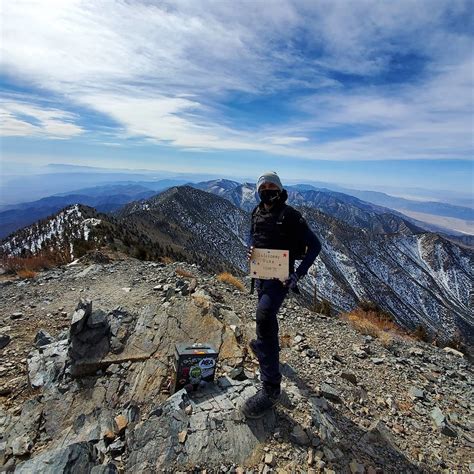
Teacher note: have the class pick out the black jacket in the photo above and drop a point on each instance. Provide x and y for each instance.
(268, 231)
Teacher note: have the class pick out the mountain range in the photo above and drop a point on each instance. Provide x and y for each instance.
(432, 216)
(368, 254)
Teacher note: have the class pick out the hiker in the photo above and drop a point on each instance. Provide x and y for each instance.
(275, 225)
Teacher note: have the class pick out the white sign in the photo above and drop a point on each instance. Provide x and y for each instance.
(269, 263)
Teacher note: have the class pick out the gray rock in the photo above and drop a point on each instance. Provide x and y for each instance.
(416, 392)
(327, 427)
(331, 393)
(117, 447)
(97, 319)
(237, 373)
(441, 423)
(378, 432)
(79, 318)
(16, 315)
(215, 430)
(76, 458)
(109, 468)
(4, 340)
(350, 377)
(47, 363)
(42, 338)
(22, 445)
(299, 436)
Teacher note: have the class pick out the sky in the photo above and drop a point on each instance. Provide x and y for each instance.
(362, 93)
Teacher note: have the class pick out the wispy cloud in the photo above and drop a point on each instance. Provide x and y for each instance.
(359, 80)
(21, 119)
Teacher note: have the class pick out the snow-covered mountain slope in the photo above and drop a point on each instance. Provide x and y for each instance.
(421, 279)
(341, 206)
(59, 233)
(206, 227)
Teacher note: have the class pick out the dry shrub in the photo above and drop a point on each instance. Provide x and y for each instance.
(227, 277)
(26, 273)
(33, 264)
(420, 334)
(405, 406)
(166, 260)
(184, 273)
(375, 323)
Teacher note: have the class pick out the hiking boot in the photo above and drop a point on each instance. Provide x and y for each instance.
(258, 404)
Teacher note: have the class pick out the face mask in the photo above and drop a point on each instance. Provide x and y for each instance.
(269, 196)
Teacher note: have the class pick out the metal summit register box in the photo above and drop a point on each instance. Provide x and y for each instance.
(193, 363)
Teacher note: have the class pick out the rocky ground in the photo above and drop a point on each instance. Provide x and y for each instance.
(85, 359)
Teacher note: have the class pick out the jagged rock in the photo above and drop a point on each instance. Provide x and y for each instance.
(325, 424)
(46, 364)
(299, 436)
(379, 433)
(75, 458)
(97, 319)
(22, 445)
(20, 432)
(80, 315)
(42, 338)
(269, 459)
(329, 392)
(237, 373)
(214, 431)
(89, 339)
(109, 468)
(117, 446)
(133, 413)
(440, 422)
(4, 340)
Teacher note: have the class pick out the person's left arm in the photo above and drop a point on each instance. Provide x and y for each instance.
(314, 247)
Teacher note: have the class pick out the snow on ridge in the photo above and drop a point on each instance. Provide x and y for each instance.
(67, 224)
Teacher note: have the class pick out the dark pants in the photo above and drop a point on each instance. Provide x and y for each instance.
(271, 294)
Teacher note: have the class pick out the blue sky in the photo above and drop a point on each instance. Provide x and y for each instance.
(362, 93)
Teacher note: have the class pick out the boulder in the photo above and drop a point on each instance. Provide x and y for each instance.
(75, 459)
(42, 338)
(47, 363)
(210, 434)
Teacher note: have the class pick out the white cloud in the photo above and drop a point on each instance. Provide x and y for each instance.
(20, 119)
(165, 72)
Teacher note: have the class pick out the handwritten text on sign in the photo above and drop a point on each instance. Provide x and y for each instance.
(269, 263)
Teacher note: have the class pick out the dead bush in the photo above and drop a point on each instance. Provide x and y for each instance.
(375, 323)
(184, 273)
(35, 263)
(26, 273)
(230, 279)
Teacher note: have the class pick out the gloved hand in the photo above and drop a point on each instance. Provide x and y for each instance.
(291, 281)
(249, 253)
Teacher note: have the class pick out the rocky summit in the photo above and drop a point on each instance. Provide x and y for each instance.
(86, 367)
